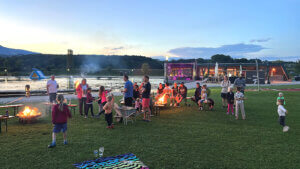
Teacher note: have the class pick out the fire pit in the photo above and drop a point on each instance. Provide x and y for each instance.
(28, 115)
(163, 100)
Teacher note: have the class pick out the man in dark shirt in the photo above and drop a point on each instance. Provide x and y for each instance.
(197, 95)
(183, 92)
(146, 90)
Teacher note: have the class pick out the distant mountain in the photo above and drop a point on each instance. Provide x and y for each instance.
(7, 52)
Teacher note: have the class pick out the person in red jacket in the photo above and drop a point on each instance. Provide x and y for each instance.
(60, 115)
(81, 91)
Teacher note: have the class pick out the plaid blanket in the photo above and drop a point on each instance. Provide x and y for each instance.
(127, 161)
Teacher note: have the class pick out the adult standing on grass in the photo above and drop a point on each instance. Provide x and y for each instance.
(146, 90)
(81, 91)
(52, 87)
(240, 82)
(128, 91)
(225, 84)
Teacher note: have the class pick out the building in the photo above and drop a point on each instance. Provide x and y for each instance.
(268, 72)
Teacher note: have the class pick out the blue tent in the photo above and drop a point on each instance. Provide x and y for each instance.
(36, 74)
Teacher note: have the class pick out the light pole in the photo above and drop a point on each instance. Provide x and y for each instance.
(6, 74)
(166, 69)
(257, 75)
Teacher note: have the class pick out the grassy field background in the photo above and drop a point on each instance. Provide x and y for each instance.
(180, 138)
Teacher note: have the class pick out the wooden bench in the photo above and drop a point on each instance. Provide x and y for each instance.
(14, 106)
(4, 118)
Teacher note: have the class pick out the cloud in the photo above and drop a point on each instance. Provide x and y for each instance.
(234, 50)
(274, 58)
(113, 50)
(260, 40)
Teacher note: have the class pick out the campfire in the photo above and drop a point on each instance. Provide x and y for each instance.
(28, 115)
(162, 100)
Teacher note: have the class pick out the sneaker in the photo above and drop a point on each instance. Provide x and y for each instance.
(52, 145)
(65, 142)
(85, 117)
(227, 113)
(108, 127)
(171, 104)
(285, 128)
(112, 126)
(232, 113)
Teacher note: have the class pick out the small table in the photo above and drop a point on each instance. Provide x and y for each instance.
(73, 107)
(157, 108)
(4, 118)
(14, 106)
(49, 106)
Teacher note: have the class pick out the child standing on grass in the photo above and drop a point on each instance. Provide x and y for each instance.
(89, 103)
(60, 115)
(282, 112)
(280, 97)
(239, 103)
(102, 100)
(230, 101)
(108, 111)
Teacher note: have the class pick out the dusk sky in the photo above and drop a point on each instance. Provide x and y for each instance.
(177, 28)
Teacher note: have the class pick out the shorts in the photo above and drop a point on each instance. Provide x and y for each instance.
(60, 127)
(224, 95)
(52, 97)
(145, 102)
(202, 101)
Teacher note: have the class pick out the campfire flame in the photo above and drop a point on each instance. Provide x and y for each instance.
(29, 113)
(162, 100)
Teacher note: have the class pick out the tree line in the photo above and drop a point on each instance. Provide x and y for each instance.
(95, 64)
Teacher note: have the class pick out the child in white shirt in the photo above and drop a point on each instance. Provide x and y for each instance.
(239, 103)
(282, 112)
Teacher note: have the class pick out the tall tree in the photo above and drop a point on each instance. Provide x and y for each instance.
(220, 58)
(297, 67)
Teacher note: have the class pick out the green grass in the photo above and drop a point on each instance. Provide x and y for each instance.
(179, 138)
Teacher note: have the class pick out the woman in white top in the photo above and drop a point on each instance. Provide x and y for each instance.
(225, 84)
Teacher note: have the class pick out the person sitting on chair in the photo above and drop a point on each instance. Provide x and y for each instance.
(197, 96)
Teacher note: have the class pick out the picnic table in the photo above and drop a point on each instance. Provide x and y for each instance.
(4, 118)
(49, 107)
(14, 106)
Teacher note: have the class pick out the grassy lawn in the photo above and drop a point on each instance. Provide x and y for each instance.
(179, 138)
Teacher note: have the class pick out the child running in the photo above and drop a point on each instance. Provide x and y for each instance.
(60, 115)
(282, 112)
(108, 111)
(230, 101)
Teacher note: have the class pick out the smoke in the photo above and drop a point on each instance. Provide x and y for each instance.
(91, 64)
(96, 63)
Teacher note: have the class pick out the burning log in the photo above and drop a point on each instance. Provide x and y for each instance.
(28, 115)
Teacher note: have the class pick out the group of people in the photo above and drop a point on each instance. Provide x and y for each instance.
(140, 97)
(234, 99)
(176, 94)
